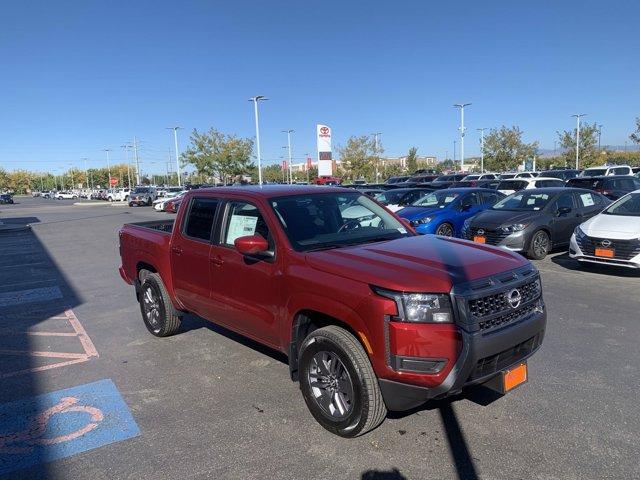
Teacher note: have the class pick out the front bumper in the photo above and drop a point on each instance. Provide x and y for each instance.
(576, 253)
(502, 349)
(493, 336)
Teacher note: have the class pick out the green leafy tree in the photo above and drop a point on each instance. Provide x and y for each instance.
(588, 152)
(358, 158)
(215, 154)
(635, 136)
(272, 174)
(412, 160)
(504, 149)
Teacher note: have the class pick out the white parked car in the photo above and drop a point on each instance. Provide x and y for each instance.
(516, 184)
(119, 195)
(480, 176)
(612, 237)
(611, 170)
(510, 175)
(65, 195)
(158, 205)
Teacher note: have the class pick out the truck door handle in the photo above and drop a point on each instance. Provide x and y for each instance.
(176, 250)
(217, 261)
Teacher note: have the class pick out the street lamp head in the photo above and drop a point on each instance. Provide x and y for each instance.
(258, 98)
(461, 105)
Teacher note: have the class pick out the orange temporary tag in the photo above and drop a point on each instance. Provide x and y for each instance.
(514, 377)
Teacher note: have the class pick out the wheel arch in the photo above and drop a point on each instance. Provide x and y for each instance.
(306, 321)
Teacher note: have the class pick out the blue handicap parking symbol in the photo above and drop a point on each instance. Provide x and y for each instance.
(60, 424)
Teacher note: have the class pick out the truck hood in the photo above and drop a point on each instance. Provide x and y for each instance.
(423, 263)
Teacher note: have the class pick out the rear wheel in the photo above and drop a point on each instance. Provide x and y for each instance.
(338, 383)
(446, 230)
(539, 246)
(158, 313)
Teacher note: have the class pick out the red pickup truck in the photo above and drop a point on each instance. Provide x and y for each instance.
(371, 315)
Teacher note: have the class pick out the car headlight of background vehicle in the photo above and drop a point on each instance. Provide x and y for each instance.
(420, 307)
(421, 221)
(516, 227)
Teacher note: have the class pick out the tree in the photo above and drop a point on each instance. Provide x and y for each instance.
(412, 160)
(273, 174)
(588, 145)
(504, 149)
(358, 158)
(215, 154)
(635, 136)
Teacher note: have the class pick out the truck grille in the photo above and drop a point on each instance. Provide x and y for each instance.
(484, 305)
(494, 237)
(623, 249)
(492, 304)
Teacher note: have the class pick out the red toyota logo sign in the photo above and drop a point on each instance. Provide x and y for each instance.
(324, 130)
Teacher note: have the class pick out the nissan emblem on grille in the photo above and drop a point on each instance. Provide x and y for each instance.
(480, 231)
(605, 243)
(514, 298)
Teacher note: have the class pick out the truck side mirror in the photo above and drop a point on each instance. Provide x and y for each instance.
(251, 245)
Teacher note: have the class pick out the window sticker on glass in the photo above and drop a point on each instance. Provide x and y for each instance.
(587, 199)
(241, 226)
(402, 230)
(531, 201)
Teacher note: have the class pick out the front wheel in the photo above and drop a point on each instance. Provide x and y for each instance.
(539, 246)
(446, 230)
(158, 313)
(338, 383)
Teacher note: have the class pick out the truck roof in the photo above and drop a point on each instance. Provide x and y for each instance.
(276, 190)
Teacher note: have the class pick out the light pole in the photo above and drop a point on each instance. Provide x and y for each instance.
(375, 147)
(108, 167)
(461, 107)
(578, 116)
(481, 130)
(255, 101)
(126, 148)
(175, 139)
(454, 154)
(599, 135)
(289, 132)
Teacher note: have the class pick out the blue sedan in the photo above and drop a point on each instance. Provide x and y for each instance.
(443, 212)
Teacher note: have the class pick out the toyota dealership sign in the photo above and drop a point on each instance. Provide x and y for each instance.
(325, 164)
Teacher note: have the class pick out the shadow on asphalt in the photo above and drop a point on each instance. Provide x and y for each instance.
(393, 474)
(32, 291)
(569, 263)
(193, 322)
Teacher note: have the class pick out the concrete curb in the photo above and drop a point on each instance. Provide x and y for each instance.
(89, 204)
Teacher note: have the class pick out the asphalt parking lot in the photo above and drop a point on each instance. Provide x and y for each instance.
(207, 403)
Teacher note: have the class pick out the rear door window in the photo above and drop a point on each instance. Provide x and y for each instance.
(564, 200)
(199, 222)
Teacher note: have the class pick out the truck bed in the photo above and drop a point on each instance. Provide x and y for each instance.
(165, 226)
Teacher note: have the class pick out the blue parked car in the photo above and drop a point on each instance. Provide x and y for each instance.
(443, 212)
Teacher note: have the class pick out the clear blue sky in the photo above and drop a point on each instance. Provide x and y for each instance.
(81, 76)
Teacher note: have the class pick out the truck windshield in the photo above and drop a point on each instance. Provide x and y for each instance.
(628, 206)
(526, 201)
(331, 220)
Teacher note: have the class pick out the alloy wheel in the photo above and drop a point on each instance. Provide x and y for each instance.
(331, 384)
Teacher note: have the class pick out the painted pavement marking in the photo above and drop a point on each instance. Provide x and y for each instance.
(59, 424)
(70, 358)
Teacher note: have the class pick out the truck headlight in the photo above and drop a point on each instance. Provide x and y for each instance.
(420, 307)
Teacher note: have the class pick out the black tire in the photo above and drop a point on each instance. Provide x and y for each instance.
(130, 204)
(539, 245)
(365, 408)
(445, 229)
(158, 313)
